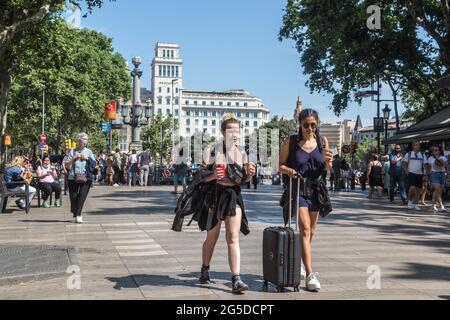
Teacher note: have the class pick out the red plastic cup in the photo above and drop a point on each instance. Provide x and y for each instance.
(222, 167)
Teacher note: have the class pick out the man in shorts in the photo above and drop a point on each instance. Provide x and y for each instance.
(413, 166)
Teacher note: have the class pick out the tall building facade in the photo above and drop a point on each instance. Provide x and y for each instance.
(195, 110)
(199, 111)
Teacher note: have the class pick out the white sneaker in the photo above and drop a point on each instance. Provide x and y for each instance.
(410, 205)
(303, 272)
(417, 208)
(435, 208)
(79, 219)
(312, 283)
(115, 185)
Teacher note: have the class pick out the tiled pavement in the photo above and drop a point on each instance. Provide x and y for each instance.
(126, 250)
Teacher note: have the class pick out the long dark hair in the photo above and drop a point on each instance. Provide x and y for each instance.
(306, 114)
(441, 151)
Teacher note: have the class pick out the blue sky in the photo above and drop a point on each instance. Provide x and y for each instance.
(224, 45)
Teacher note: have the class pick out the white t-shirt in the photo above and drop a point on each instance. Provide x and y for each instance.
(415, 162)
(133, 158)
(434, 168)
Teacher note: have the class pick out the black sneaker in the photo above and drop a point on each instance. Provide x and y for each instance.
(204, 276)
(20, 205)
(238, 285)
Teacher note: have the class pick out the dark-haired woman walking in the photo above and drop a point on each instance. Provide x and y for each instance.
(309, 158)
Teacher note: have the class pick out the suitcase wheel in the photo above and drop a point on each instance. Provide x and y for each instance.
(280, 289)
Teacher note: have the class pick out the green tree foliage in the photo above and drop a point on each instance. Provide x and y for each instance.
(157, 136)
(80, 72)
(341, 55)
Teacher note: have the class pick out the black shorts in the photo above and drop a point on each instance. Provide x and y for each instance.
(415, 180)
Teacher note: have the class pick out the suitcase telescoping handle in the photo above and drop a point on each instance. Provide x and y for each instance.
(297, 202)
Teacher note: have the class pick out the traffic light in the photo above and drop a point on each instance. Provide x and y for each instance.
(74, 145)
(68, 144)
(354, 146)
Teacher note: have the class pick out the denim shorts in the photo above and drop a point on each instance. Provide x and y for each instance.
(179, 178)
(438, 178)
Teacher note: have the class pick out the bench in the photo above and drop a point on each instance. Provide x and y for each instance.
(5, 194)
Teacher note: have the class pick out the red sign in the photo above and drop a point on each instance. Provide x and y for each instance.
(7, 140)
(110, 110)
(43, 138)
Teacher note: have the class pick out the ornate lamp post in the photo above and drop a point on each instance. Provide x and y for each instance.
(137, 109)
(386, 115)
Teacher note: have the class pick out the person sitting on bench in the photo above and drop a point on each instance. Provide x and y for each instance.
(47, 182)
(18, 172)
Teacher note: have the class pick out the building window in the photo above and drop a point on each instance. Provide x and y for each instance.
(159, 111)
(196, 113)
(214, 113)
(160, 70)
(205, 113)
(188, 113)
(177, 101)
(176, 71)
(176, 112)
(164, 53)
(167, 101)
(168, 89)
(255, 123)
(247, 114)
(159, 89)
(212, 103)
(173, 71)
(196, 122)
(173, 53)
(195, 103)
(168, 112)
(164, 71)
(159, 100)
(186, 102)
(205, 130)
(220, 103)
(203, 103)
(213, 122)
(245, 104)
(247, 123)
(229, 104)
(239, 114)
(176, 90)
(255, 114)
(237, 104)
(205, 122)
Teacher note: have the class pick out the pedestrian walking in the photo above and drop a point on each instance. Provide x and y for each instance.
(346, 174)
(110, 170)
(310, 156)
(80, 165)
(413, 166)
(223, 199)
(437, 168)
(132, 168)
(374, 172)
(396, 175)
(337, 162)
(180, 172)
(144, 167)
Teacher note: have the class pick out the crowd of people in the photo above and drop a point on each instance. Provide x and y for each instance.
(412, 175)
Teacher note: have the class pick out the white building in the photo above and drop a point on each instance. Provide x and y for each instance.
(197, 111)
(360, 134)
(201, 111)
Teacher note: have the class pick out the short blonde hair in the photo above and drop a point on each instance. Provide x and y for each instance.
(227, 119)
(17, 162)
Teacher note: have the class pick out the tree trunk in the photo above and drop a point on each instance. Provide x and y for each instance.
(5, 84)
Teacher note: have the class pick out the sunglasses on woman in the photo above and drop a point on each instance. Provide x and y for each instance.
(309, 125)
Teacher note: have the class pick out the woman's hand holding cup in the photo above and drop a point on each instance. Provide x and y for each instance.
(220, 171)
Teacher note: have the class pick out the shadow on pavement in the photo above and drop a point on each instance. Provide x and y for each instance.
(420, 271)
(187, 279)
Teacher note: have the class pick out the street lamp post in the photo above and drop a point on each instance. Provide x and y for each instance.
(386, 115)
(43, 115)
(173, 120)
(137, 110)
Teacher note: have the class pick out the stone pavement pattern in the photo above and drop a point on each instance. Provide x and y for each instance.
(126, 249)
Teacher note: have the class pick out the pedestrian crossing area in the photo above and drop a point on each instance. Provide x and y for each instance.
(134, 243)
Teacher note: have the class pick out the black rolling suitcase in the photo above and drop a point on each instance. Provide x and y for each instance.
(282, 253)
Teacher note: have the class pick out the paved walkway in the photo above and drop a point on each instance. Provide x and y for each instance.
(126, 250)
